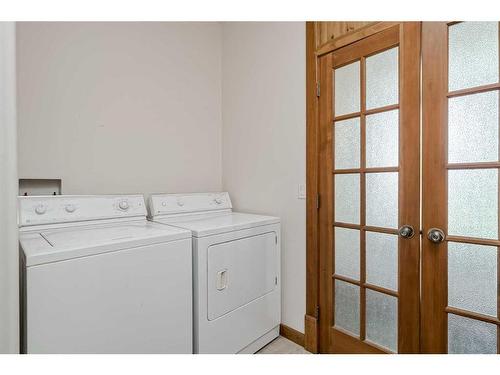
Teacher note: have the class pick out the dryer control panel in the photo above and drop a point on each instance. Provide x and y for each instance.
(36, 210)
(167, 204)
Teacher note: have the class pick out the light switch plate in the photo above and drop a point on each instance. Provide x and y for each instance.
(301, 191)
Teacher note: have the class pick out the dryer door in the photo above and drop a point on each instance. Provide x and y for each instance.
(241, 271)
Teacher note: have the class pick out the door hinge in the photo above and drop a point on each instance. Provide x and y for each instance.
(317, 312)
(276, 239)
(276, 280)
(318, 89)
(317, 201)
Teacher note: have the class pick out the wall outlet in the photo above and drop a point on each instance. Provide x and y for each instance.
(301, 191)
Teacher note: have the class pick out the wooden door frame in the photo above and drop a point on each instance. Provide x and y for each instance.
(313, 52)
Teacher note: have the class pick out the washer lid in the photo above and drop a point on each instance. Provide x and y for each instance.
(210, 224)
(67, 243)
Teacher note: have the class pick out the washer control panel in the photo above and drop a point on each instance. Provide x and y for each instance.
(36, 210)
(164, 204)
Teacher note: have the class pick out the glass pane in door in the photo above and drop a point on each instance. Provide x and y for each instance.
(470, 336)
(382, 139)
(347, 200)
(347, 306)
(382, 319)
(473, 54)
(382, 260)
(472, 277)
(473, 128)
(347, 144)
(382, 79)
(347, 252)
(347, 88)
(382, 199)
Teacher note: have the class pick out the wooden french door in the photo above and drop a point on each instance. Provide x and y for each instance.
(369, 185)
(460, 261)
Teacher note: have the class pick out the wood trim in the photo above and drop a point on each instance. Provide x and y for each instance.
(292, 334)
(472, 315)
(473, 240)
(481, 165)
(326, 187)
(366, 170)
(474, 90)
(434, 188)
(409, 196)
(353, 36)
(343, 343)
(347, 117)
(376, 43)
(387, 108)
(362, 198)
(312, 134)
(311, 334)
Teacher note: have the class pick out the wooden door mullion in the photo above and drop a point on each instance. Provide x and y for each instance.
(498, 199)
(362, 193)
(434, 188)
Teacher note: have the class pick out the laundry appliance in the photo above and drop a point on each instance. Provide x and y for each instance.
(236, 270)
(97, 277)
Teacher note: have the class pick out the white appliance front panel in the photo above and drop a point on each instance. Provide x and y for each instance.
(75, 208)
(247, 324)
(168, 204)
(241, 271)
(131, 301)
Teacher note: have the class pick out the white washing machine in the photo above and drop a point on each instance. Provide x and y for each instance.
(97, 277)
(236, 270)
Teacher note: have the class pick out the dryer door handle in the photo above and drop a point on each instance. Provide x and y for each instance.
(222, 279)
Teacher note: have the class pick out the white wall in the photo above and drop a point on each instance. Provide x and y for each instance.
(263, 138)
(9, 258)
(120, 107)
(137, 107)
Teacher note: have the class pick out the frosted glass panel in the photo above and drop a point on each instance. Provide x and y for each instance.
(347, 306)
(472, 277)
(469, 336)
(473, 203)
(347, 88)
(347, 151)
(382, 199)
(382, 319)
(382, 79)
(473, 54)
(382, 260)
(382, 139)
(347, 252)
(473, 128)
(347, 198)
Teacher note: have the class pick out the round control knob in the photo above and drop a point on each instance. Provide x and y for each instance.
(180, 202)
(218, 200)
(70, 208)
(40, 209)
(123, 205)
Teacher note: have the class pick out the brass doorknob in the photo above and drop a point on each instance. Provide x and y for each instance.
(406, 231)
(435, 235)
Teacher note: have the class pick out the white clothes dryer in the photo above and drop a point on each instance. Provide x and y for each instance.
(236, 270)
